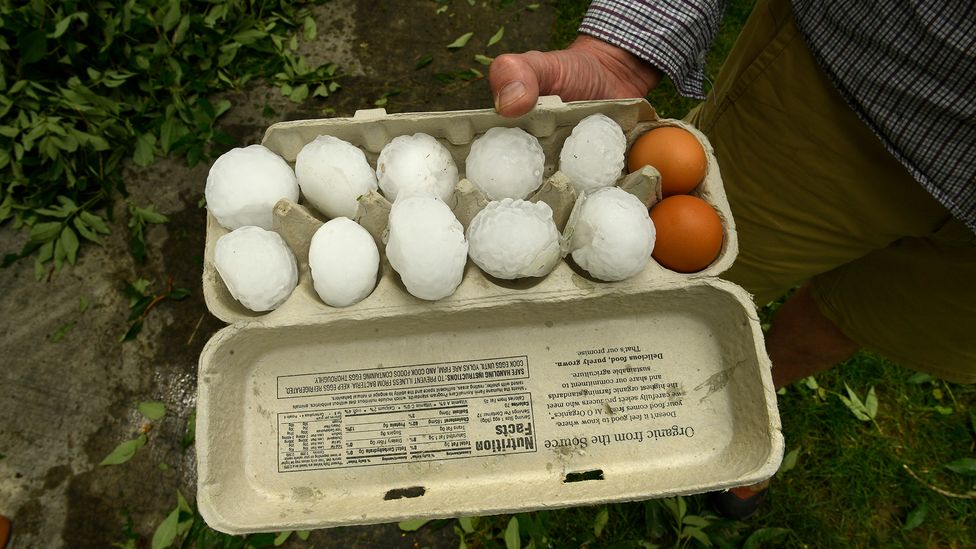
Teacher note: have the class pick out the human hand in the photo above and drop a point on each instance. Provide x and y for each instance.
(588, 69)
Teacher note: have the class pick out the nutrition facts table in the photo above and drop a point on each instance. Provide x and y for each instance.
(371, 435)
(366, 429)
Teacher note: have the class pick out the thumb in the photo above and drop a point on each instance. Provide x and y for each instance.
(517, 80)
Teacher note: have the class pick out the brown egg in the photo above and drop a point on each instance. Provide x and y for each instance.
(689, 233)
(675, 152)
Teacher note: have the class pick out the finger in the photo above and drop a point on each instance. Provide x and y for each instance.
(517, 80)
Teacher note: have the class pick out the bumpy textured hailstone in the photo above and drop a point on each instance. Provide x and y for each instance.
(344, 261)
(505, 163)
(593, 155)
(245, 183)
(416, 162)
(257, 266)
(426, 246)
(332, 174)
(512, 239)
(613, 235)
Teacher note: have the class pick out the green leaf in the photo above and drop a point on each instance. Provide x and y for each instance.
(532, 7)
(94, 221)
(33, 48)
(191, 430)
(165, 533)
(698, 534)
(461, 41)
(132, 332)
(789, 460)
(85, 231)
(124, 451)
(412, 525)
(59, 334)
(149, 214)
(152, 410)
(963, 466)
(695, 520)
(483, 59)
(423, 62)
(764, 535)
(920, 377)
(62, 26)
(281, 538)
(82, 304)
(44, 232)
(69, 240)
(309, 29)
(248, 37)
(871, 403)
(915, 518)
(299, 93)
(177, 294)
(512, 538)
(854, 404)
(144, 153)
(303, 534)
(600, 522)
(496, 37)
(467, 524)
(172, 16)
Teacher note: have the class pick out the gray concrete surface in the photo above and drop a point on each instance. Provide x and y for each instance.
(71, 388)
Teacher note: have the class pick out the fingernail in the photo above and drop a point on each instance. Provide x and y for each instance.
(510, 93)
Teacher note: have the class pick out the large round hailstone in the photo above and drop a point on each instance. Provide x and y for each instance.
(593, 155)
(426, 246)
(505, 163)
(332, 174)
(257, 266)
(344, 261)
(245, 183)
(612, 235)
(417, 162)
(512, 239)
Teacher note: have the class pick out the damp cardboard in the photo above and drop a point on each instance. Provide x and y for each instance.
(507, 396)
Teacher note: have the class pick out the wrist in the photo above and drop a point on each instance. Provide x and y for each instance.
(622, 64)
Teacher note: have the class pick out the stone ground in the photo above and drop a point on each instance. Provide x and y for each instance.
(71, 388)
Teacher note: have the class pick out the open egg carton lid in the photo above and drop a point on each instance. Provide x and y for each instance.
(551, 122)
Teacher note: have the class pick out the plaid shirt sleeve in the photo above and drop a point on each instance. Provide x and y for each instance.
(672, 35)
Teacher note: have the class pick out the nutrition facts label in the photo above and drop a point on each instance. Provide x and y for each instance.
(405, 414)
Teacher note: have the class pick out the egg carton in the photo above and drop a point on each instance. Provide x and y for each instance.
(505, 396)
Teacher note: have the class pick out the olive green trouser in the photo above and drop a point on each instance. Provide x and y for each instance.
(816, 196)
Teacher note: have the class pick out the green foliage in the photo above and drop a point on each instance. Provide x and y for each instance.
(86, 85)
(124, 451)
(142, 300)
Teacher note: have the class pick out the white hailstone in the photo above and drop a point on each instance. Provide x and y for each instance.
(332, 174)
(512, 239)
(245, 183)
(505, 163)
(611, 234)
(416, 162)
(257, 266)
(425, 245)
(344, 261)
(593, 155)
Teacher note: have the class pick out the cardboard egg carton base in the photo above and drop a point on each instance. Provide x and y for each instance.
(507, 396)
(551, 122)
